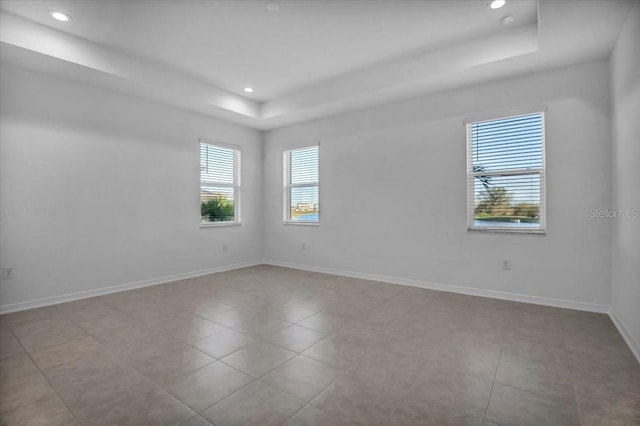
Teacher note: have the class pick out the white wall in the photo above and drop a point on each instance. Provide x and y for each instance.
(625, 88)
(101, 189)
(393, 191)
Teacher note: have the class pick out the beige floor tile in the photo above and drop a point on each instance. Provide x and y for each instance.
(207, 308)
(454, 389)
(365, 401)
(224, 343)
(43, 333)
(10, 346)
(83, 307)
(602, 362)
(257, 359)
(235, 316)
(177, 362)
(390, 369)
(262, 326)
(143, 404)
(196, 329)
(608, 400)
(29, 389)
(92, 380)
(536, 368)
(510, 406)
(105, 321)
(66, 352)
(16, 366)
(296, 338)
(414, 292)
(302, 377)
(34, 342)
(312, 416)
(294, 314)
(137, 343)
(592, 328)
(16, 318)
(465, 352)
(51, 412)
(322, 322)
(413, 412)
(202, 388)
(538, 327)
(41, 326)
(341, 351)
(257, 404)
(372, 352)
(196, 421)
(622, 410)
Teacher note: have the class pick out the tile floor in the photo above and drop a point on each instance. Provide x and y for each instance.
(270, 346)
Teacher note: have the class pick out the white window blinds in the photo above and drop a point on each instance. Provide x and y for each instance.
(301, 185)
(505, 173)
(219, 184)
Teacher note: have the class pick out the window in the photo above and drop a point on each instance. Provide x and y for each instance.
(301, 185)
(505, 174)
(219, 185)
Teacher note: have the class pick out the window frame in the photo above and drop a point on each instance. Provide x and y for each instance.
(236, 185)
(288, 186)
(471, 175)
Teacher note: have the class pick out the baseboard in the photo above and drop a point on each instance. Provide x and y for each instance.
(514, 297)
(631, 342)
(560, 303)
(14, 307)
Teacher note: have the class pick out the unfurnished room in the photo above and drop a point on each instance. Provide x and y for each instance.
(320, 212)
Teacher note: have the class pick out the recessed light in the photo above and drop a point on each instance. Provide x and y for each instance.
(497, 4)
(60, 16)
(508, 20)
(272, 6)
(248, 89)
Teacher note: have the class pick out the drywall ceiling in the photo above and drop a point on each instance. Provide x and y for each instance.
(308, 59)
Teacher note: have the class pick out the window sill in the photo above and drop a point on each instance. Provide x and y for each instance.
(508, 230)
(218, 224)
(302, 223)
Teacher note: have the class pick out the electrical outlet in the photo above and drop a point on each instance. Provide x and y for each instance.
(225, 248)
(506, 265)
(303, 247)
(7, 272)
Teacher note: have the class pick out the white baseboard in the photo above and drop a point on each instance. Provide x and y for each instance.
(14, 307)
(631, 342)
(558, 303)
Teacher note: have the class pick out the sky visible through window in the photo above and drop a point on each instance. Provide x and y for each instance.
(303, 171)
(506, 150)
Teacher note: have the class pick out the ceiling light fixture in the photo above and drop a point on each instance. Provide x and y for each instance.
(60, 16)
(272, 6)
(248, 89)
(497, 4)
(508, 20)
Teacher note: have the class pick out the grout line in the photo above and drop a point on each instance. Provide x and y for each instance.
(345, 323)
(45, 378)
(493, 382)
(571, 369)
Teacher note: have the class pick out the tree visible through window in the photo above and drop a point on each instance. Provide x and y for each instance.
(219, 184)
(301, 185)
(506, 173)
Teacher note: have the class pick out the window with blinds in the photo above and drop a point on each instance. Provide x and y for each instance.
(219, 184)
(301, 185)
(505, 174)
